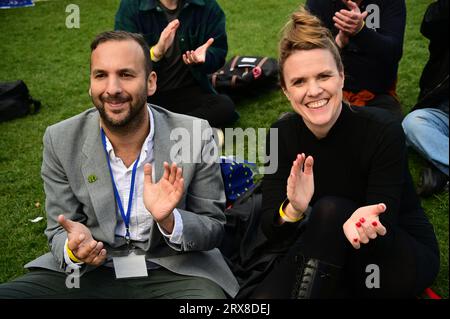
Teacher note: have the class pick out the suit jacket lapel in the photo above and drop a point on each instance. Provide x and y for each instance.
(161, 144)
(161, 151)
(100, 190)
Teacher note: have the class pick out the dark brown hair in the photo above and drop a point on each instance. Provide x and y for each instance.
(123, 36)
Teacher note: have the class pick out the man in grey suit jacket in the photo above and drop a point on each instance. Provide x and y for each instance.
(115, 207)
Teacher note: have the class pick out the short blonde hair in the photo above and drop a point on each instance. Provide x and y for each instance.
(304, 31)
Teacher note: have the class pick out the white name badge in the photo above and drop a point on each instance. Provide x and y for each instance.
(132, 265)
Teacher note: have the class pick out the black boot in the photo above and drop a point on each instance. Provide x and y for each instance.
(432, 181)
(317, 280)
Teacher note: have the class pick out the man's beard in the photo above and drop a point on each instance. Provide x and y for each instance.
(130, 119)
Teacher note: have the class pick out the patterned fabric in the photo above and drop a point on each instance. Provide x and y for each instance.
(6, 4)
(237, 177)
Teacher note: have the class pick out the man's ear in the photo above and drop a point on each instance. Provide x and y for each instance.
(151, 83)
(90, 92)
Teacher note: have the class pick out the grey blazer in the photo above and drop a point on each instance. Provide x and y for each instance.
(73, 151)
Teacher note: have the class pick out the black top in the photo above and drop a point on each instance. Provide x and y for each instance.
(363, 158)
(172, 72)
(434, 83)
(372, 56)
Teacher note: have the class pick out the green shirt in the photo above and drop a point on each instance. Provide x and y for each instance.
(199, 21)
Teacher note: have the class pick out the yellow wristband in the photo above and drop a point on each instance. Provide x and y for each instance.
(152, 55)
(362, 27)
(71, 255)
(287, 218)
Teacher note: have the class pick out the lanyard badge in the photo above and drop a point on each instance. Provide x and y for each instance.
(132, 263)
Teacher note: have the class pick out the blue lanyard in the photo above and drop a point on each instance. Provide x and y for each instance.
(125, 217)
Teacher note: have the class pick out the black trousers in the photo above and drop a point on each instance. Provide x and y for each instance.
(217, 109)
(408, 261)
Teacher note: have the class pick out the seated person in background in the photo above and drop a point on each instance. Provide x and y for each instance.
(188, 41)
(346, 169)
(426, 127)
(371, 47)
(166, 233)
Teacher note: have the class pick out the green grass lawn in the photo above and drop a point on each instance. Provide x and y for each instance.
(53, 60)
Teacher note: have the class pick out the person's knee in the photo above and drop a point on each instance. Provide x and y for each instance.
(225, 106)
(37, 283)
(211, 291)
(8, 291)
(413, 120)
(204, 289)
(415, 125)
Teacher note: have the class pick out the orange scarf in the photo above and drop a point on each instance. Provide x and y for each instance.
(362, 97)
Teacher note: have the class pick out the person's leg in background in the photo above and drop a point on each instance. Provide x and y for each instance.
(427, 132)
(217, 109)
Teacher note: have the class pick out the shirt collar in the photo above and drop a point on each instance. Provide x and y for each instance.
(148, 143)
(151, 4)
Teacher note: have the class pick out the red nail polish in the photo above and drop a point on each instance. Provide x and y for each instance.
(355, 240)
(374, 224)
(362, 220)
(358, 224)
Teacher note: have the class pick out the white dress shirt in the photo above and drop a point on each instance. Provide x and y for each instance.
(140, 218)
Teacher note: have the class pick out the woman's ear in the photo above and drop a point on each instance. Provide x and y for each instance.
(286, 93)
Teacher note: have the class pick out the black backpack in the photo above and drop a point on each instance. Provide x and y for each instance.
(244, 245)
(246, 76)
(15, 101)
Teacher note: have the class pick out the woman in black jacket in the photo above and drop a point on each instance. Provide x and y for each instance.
(345, 170)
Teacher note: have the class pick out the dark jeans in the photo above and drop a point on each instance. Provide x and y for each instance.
(217, 109)
(406, 265)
